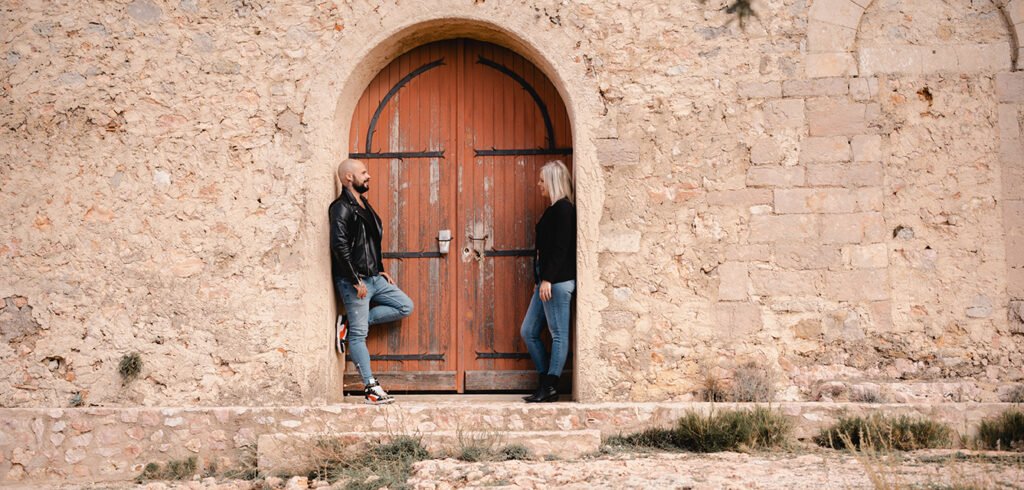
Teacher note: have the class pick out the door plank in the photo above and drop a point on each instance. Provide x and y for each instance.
(512, 380)
(397, 381)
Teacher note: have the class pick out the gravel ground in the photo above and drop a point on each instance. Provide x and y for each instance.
(817, 470)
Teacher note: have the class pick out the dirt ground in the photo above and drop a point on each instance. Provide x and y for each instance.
(817, 470)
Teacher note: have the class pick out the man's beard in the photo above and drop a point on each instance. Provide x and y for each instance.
(361, 188)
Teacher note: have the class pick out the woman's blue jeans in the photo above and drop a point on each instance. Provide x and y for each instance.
(389, 304)
(554, 314)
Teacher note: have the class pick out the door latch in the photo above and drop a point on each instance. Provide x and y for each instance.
(444, 240)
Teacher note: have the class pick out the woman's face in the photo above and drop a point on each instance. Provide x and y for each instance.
(543, 187)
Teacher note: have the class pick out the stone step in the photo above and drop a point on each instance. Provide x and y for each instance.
(917, 391)
(298, 452)
(93, 444)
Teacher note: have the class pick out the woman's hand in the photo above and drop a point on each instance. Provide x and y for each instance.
(545, 291)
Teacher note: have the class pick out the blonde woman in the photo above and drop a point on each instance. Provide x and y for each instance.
(554, 270)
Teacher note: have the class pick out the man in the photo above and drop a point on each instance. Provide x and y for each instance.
(358, 270)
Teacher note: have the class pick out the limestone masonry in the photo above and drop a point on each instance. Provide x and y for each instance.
(834, 191)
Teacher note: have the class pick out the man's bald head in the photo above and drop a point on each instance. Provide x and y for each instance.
(353, 174)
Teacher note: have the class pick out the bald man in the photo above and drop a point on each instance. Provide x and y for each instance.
(357, 267)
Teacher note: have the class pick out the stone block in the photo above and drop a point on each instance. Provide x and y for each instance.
(846, 175)
(1013, 178)
(838, 64)
(773, 228)
(822, 200)
(829, 38)
(844, 13)
(807, 328)
(831, 117)
(753, 90)
(617, 152)
(863, 88)
(732, 281)
(825, 149)
(765, 151)
(1015, 316)
(1015, 282)
(854, 228)
(738, 319)
(1015, 11)
(984, 58)
(980, 307)
(747, 253)
(784, 113)
(765, 282)
(816, 87)
(740, 198)
(867, 148)
(1010, 87)
(1015, 249)
(939, 59)
(807, 256)
(869, 198)
(858, 285)
(775, 176)
(620, 241)
(874, 256)
(901, 59)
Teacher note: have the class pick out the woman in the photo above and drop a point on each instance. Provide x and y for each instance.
(554, 271)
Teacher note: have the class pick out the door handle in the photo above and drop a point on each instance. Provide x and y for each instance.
(476, 249)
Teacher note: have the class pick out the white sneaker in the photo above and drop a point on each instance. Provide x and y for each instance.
(375, 395)
(340, 334)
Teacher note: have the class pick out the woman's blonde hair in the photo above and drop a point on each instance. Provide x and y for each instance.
(558, 181)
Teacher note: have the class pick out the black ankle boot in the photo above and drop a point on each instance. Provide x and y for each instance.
(537, 393)
(548, 391)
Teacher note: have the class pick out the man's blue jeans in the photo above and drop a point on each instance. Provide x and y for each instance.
(554, 314)
(389, 304)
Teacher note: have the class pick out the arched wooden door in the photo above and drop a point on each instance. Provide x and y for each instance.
(454, 134)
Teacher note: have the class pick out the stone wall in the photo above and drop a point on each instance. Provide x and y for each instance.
(830, 191)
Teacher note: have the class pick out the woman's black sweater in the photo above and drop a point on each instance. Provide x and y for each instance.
(555, 259)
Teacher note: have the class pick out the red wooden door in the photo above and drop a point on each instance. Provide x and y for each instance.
(454, 134)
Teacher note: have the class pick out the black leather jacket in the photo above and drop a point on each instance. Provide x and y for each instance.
(355, 239)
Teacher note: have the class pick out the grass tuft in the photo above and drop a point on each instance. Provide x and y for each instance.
(514, 452)
(1003, 432)
(729, 430)
(878, 431)
(712, 389)
(753, 383)
(382, 465)
(130, 367)
(177, 469)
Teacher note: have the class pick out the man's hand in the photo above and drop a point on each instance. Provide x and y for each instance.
(387, 276)
(361, 290)
(545, 291)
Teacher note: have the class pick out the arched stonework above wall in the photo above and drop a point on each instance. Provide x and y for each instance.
(834, 25)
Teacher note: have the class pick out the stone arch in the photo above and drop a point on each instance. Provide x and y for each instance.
(336, 89)
(833, 26)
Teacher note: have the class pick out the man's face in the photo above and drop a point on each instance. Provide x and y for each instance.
(361, 179)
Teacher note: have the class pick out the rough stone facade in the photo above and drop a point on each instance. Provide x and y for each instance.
(834, 191)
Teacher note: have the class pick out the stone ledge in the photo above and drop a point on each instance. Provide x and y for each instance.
(291, 452)
(65, 445)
